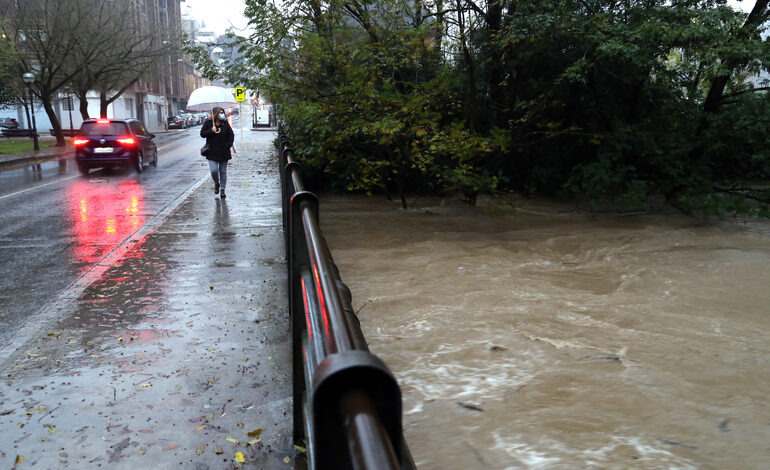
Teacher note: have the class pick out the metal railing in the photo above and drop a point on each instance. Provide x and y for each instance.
(347, 404)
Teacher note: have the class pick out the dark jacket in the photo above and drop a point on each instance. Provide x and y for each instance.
(219, 144)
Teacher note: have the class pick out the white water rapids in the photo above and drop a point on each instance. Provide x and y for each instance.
(540, 337)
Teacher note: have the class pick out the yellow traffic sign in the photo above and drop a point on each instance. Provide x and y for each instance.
(240, 93)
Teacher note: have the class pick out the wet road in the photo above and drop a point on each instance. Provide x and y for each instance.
(56, 224)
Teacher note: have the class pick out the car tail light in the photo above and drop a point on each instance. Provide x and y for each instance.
(79, 141)
(127, 141)
(102, 121)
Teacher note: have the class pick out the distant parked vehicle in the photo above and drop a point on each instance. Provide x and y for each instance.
(264, 116)
(9, 123)
(177, 122)
(189, 118)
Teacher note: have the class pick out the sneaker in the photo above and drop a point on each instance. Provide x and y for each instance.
(222, 193)
(216, 189)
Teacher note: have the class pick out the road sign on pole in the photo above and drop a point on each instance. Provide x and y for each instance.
(240, 93)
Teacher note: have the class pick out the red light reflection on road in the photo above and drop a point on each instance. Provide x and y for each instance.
(103, 215)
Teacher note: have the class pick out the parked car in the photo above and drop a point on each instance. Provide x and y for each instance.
(9, 123)
(114, 142)
(189, 119)
(177, 122)
(202, 117)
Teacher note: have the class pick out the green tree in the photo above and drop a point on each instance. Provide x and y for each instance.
(10, 88)
(598, 100)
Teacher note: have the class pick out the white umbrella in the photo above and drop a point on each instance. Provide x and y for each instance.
(207, 97)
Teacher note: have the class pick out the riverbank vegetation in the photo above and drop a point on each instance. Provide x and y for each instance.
(596, 100)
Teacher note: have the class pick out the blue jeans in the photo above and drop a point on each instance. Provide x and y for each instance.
(219, 172)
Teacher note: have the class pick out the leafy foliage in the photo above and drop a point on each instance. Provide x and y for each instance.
(10, 87)
(599, 100)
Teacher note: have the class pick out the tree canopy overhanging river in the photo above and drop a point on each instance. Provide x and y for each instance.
(540, 337)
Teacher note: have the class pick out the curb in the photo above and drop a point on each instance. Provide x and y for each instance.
(32, 160)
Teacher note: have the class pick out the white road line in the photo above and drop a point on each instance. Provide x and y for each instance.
(22, 191)
(64, 302)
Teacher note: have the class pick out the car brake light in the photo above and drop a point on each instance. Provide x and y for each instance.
(103, 121)
(127, 141)
(77, 141)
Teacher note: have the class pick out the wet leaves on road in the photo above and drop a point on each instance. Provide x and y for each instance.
(218, 450)
(239, 457)
(255, 432)
(39, 409)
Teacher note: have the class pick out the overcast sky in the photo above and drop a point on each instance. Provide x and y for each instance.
(745, 5)
(218, 15)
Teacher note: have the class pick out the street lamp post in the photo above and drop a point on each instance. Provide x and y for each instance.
(29, 79)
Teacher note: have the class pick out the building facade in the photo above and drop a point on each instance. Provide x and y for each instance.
(161, 92)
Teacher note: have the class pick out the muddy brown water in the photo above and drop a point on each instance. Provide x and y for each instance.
(537, 336)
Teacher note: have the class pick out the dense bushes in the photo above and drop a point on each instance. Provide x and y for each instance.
(596, 100)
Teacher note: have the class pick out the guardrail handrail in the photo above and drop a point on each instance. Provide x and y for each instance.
(347, 404)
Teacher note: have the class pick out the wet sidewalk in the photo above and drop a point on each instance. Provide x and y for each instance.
(177, 353)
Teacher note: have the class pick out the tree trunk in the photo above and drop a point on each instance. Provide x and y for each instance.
(471, 105)
(756, 18)
(46, 99)
(103, 103)
(401, 187)
(493, 20)
(713, 103)
(83, 103)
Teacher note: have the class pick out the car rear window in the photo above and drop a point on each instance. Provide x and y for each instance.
(113, 128)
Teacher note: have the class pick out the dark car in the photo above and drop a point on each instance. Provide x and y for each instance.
(177, 122)
(114, 142)
(9, 123)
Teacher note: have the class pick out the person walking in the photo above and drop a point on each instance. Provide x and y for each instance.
(219, 137)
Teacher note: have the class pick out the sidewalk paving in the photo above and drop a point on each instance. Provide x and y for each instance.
(178, 355)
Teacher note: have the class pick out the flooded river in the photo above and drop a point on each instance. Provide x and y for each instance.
(542, 337)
